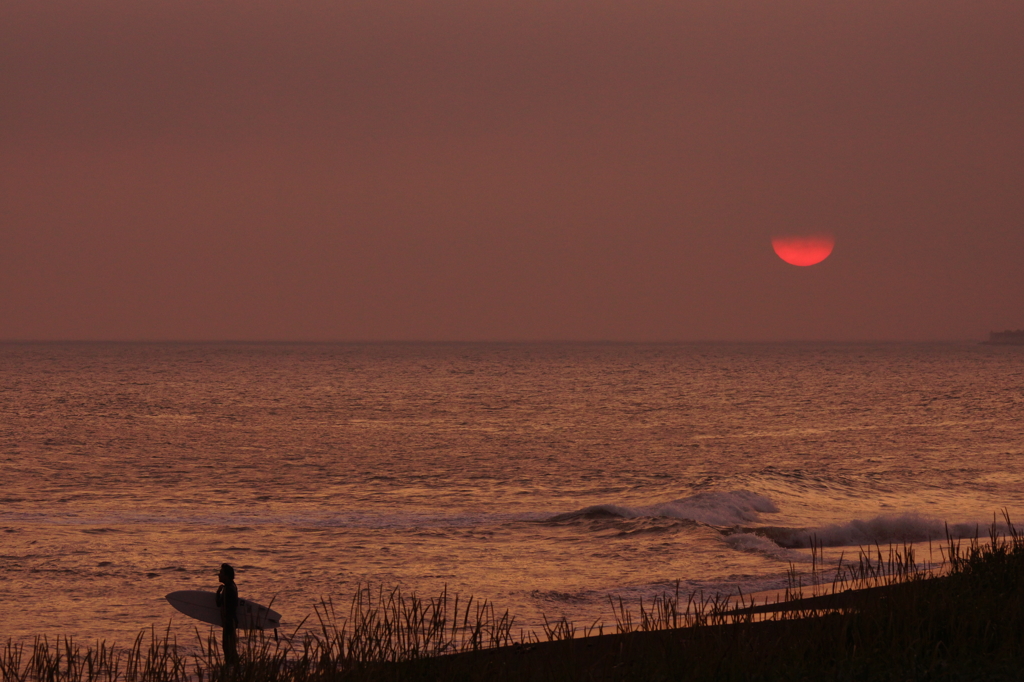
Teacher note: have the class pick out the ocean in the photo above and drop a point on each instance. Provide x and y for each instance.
(544, 478)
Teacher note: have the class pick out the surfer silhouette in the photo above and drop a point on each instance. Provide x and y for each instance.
(227, 600)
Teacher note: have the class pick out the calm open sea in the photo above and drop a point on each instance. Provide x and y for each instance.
(543, 477)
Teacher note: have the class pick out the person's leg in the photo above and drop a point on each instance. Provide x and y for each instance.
(230, 646)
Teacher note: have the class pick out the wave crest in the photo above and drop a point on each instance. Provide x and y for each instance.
(879, 530)
(711, 508)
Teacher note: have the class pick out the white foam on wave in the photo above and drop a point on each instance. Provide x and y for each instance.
(712, 508)
(879, 530)
(758, 544)
(720, 508)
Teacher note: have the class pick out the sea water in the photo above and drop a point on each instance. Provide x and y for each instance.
(544, 478)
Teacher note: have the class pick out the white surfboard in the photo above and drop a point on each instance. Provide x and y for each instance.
(203, 606)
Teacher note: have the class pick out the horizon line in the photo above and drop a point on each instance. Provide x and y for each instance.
(485, 341)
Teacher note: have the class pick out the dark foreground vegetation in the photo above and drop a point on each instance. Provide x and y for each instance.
(879, 619)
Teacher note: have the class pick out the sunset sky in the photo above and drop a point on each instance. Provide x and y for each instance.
(509, 169)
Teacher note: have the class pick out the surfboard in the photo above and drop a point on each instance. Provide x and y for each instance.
(203, 606)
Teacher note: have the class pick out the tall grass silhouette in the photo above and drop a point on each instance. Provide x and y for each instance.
(879, 617)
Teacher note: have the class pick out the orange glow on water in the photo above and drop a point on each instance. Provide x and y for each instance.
(804, 251)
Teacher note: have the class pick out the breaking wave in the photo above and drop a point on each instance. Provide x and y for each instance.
(758, 544)
(880, 530)
(726, 509)
(739, 515)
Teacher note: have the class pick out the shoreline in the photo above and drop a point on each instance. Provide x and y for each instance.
(967, 624)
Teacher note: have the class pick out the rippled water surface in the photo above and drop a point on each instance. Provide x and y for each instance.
(542, 477)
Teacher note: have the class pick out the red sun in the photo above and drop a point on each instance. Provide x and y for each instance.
(804, 250)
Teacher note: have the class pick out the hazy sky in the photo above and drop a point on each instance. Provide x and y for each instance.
(509, 169)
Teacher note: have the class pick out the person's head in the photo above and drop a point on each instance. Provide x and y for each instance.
(227, 573)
